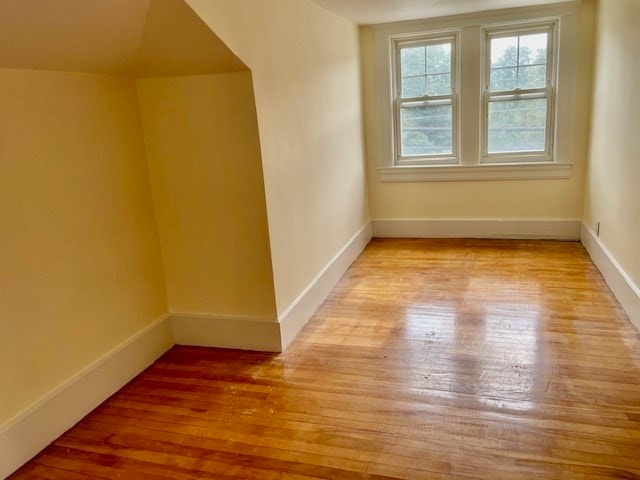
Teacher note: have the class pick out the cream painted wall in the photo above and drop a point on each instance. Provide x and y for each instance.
(306, 78)
(79, 249)
(613, 177)
(506, 199)
(204, 160)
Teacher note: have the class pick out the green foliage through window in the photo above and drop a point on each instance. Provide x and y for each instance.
(518, 62)
(426, 130)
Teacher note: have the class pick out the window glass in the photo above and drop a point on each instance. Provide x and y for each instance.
(425, 70)
(518, 61)
(426, 130)
(517, 125)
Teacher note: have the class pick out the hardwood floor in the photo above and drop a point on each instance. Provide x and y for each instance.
(431, 359)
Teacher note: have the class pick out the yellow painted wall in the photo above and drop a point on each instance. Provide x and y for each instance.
(204, 160)
(613, 178)
(504, 199)
(79, 249)
(305, 67)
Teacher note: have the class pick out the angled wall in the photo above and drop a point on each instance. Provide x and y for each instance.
(204, 159)
(305, 66)
(246, 206)
(82, 275)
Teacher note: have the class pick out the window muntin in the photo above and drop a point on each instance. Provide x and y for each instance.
(518, 61)
(425, 107)
(518, 97)
(425, 70)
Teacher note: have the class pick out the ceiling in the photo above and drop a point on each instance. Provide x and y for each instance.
(366, 12)
(140, 38)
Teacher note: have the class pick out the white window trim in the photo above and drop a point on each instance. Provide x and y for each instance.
(493, 171)
(470, 43)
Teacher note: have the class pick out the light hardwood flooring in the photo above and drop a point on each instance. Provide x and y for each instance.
(431, 359)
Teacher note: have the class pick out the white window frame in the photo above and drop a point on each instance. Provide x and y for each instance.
(470, 72)
(548, 92)
(451, 99)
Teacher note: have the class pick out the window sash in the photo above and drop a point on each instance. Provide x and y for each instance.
(425, 100)
(548, 93)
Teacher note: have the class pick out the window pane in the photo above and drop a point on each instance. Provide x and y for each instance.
(518, 62)
(504, 64)
(504, 52)
(425, 70)
(517, 125)
(534, 76)
(503, 79)
(439, 58)
(533, 49)
(412, 70)
(426, 130)
(413, 86)
(412, 61)
(439, 84)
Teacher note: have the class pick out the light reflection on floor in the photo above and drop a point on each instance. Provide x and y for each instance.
(499, 374)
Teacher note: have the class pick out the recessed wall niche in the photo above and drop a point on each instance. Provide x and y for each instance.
(131, 169)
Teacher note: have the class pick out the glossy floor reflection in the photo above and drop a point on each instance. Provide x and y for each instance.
(453, 359)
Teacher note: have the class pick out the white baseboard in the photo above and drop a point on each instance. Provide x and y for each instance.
(32, 430)
(24, 436)
(267, 334)
(627, 292)
(529, 229)
(246, 333)
(296, 316)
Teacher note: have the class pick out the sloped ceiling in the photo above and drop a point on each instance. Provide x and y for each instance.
(140, 38)
(367, 12)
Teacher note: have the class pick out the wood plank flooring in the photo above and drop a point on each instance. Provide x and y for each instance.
(431, 359)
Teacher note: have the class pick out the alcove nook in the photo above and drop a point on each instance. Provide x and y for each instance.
(130, 167)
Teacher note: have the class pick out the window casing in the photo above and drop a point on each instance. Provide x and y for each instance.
(497, 131)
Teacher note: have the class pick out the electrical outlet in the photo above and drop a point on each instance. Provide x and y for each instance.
(597, 228)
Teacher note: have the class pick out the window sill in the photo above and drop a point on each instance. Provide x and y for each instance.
(453, 173)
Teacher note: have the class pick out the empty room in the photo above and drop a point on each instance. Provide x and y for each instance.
(319, 239)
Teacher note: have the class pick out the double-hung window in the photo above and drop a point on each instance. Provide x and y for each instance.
(425, 105)
(519, 86)
(474, 98)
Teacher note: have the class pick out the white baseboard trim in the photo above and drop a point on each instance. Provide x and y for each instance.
(517, 229)
(245, 333)
(627, 292)
(296, 316)
(268, 334)
(24, 436)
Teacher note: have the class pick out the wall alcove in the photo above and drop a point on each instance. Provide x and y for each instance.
(131, 180)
